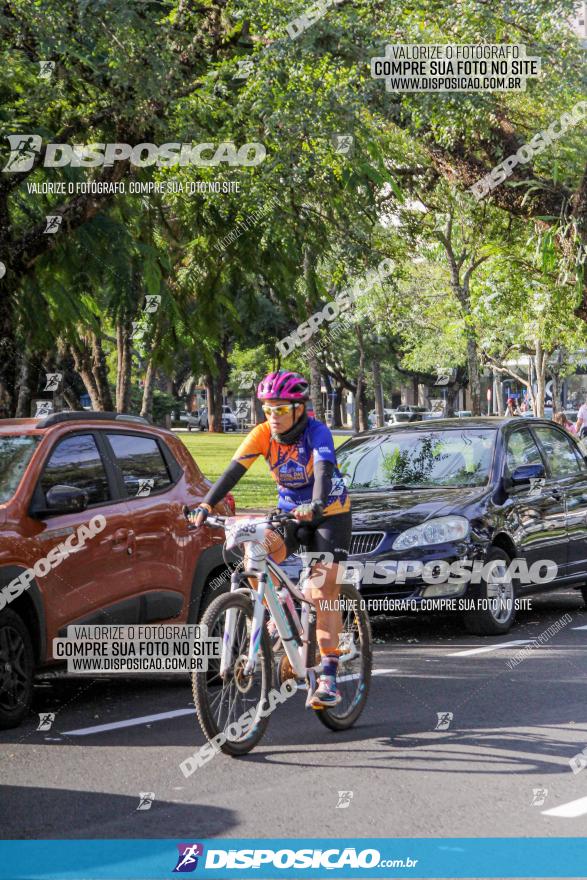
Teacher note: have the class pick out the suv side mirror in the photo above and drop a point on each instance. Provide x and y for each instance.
(63, 499)
(525, 473)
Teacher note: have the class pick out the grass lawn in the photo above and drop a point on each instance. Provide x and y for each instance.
(213, 452)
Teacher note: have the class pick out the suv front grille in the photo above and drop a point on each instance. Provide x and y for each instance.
(365, 542)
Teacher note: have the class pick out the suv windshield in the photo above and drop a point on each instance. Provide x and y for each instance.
(419, 460)
(15, 454)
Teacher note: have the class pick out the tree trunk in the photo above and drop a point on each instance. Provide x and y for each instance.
(150, 374)
(258, 416)
(147, 402)
(556, 392)
(210, 401)
(363, 410)
(540, 367)
(359, 413)
(337, 408)
(379, 405)
(7, 350)
(452, 392)
(474, 378)
(23, 403)
(83, 365)
(316, 386)
(124, 364)
(218, 401)
(101, 374)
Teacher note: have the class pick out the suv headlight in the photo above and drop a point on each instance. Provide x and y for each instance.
(434, 531)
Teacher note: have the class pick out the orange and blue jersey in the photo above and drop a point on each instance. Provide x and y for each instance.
(292, 466)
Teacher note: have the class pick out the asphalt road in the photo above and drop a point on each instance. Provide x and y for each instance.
(507, 748)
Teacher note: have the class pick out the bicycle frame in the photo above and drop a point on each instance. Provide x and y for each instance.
(296, 654)
(262, 568)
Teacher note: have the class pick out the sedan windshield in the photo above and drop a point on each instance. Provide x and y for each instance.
(419, 460)
(15, 453)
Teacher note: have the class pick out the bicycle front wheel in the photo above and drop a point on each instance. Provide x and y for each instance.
(221, 701)
(354, 672)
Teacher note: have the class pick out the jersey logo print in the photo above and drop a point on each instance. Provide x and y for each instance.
(292, 473)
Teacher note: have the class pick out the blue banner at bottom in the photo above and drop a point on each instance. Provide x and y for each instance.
(501, 857)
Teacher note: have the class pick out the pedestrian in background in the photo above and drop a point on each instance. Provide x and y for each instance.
(511, 408)
(581, 425)
(561, 419)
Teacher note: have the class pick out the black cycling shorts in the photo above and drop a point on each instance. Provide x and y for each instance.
(331, 535)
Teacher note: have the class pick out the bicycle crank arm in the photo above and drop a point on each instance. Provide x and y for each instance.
(351, 655)
(312, 682)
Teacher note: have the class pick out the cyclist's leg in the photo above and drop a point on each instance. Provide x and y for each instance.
(275, 544)
(331, 537)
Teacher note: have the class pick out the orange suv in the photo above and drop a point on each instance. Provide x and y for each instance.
(92, 531)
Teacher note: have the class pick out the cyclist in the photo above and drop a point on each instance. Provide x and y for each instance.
(300, 453)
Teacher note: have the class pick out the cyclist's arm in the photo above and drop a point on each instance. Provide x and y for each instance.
(324, 463)
(323, 471)
(250, 449)
(225, 483)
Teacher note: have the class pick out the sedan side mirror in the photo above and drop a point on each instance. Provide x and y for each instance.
(63, 499)
(525, 473)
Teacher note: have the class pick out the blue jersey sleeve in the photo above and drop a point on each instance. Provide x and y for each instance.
(322, 443)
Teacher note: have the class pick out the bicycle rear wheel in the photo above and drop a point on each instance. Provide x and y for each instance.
(354, 675)
(221, 701)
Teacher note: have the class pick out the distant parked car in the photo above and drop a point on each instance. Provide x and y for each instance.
(229, 420)
(463, 413)
(387, 417)
(408, 412)
(548, 413)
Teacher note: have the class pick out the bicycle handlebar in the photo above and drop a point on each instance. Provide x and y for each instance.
(216, 521)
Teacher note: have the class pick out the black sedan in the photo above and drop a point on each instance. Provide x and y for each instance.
(434, 503)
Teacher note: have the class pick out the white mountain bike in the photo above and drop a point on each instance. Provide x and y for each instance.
(242, 678)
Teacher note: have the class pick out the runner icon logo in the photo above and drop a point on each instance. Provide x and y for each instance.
(344, 799)
(540, 795)
(444, 720)
(146, 799)
(46, 720)
(188, 857)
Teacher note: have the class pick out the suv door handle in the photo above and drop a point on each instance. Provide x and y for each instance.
(120, 539)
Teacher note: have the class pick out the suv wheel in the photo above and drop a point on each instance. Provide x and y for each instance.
(497, 601)
(16, 670)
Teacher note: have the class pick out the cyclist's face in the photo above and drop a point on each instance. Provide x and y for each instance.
(281, 424)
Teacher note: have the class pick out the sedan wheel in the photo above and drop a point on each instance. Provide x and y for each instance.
(16, 670)
(495, 599)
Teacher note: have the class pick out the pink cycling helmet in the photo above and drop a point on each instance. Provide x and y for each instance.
(283, 385)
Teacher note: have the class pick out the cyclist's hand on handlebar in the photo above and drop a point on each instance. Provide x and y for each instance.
(199, 516)
(308, 512)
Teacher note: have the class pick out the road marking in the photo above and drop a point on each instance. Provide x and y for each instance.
(579, 627)
(568, 811)
(175, 713)
(130, 722)
(469, 653)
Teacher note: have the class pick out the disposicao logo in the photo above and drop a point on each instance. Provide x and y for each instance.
(24, 148)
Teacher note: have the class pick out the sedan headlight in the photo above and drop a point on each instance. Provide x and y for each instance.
(434, 531)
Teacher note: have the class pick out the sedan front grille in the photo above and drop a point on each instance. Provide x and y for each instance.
(365, 542)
